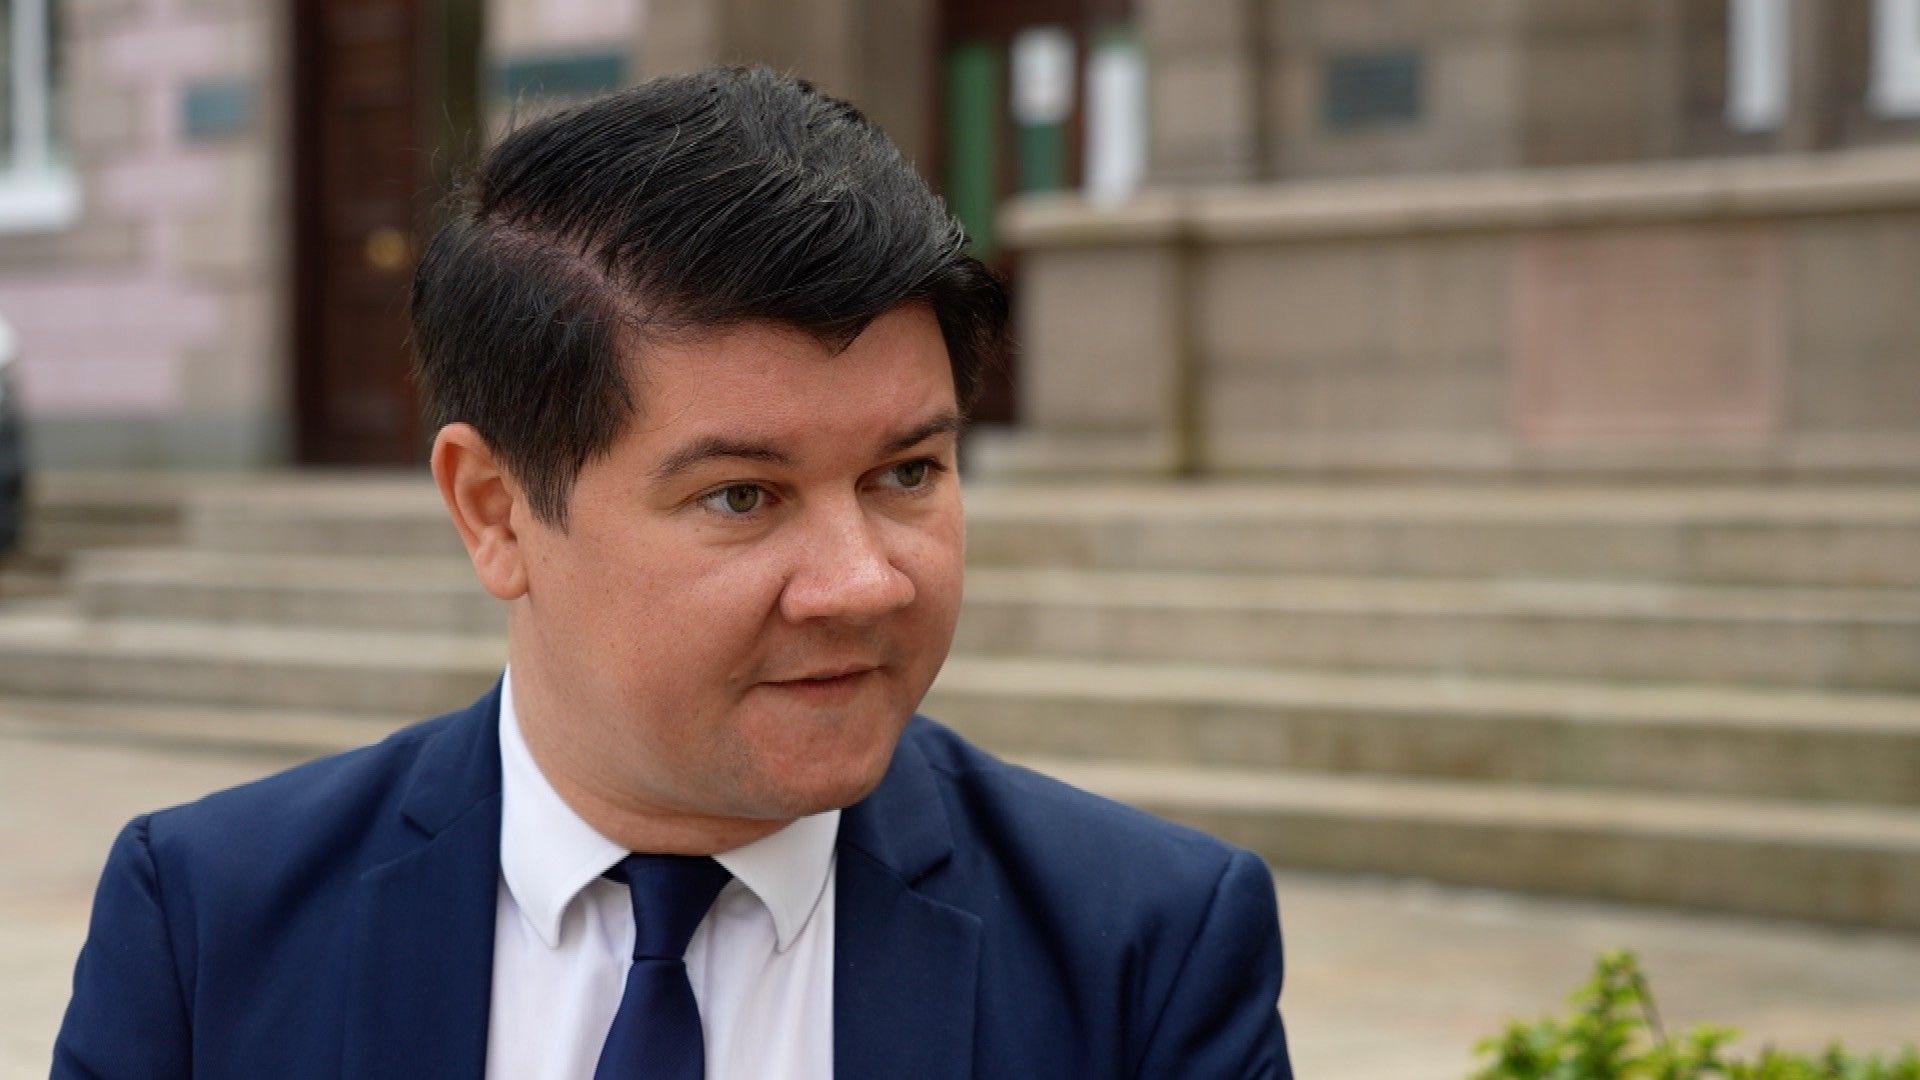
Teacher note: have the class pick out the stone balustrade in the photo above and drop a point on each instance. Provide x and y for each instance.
(1751, 316)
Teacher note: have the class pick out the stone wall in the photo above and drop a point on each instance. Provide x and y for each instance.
(1733, 316)
(150, 328)
(1600, 80)
(874, 53)
(1333, 107)
(542, 52)
(1286, 89)
(1206, 60)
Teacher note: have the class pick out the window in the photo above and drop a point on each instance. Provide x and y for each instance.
(1895, 86)
(1042, 64)
(37, 191)
(1116, 115)
(1757, 64)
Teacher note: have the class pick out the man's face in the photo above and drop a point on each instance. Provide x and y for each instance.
(759, 582)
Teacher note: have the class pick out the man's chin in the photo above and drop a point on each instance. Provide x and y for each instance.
(824, 789)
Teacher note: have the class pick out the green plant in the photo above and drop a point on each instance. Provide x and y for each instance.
(1615, 1033)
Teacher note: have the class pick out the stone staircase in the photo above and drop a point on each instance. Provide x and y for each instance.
(77, 511)
(1704, 697)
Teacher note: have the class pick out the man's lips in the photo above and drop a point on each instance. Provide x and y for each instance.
(827, 674)
(828, 686)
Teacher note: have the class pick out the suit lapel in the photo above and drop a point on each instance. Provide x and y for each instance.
(422, 971)
(905, 964)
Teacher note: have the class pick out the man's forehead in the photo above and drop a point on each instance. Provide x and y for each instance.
(771, 382)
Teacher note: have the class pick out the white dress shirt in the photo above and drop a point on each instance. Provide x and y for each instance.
(761, 963)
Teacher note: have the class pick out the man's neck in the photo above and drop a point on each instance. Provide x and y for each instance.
(619, 815)
(643, 829)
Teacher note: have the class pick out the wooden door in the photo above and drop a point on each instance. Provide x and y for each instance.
(362, 180)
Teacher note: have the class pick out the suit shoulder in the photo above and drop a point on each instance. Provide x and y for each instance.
(288, 811)
(1053, 823)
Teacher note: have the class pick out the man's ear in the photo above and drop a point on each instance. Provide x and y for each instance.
(480, 495)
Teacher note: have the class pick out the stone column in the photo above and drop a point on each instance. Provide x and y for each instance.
(1810, 79)
(1103, 320)
(679, 36)
(1204, 72)
(878, 54)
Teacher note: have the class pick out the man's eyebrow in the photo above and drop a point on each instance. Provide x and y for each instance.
(717, 447)
(693, 454)
(947, 423)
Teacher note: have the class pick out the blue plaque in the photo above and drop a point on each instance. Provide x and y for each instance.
(1372, 89)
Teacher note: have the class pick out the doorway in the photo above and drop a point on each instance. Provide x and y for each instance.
(385, 98)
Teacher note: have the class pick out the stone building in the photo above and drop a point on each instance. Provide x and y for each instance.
(1599, 237)
(209, 208)
(1291, 239)
(1281, 89)
(205, 255)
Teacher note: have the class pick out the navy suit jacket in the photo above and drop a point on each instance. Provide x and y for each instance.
(337, 920)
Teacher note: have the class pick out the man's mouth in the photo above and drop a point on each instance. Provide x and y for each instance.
(828, 674)
(827, 685)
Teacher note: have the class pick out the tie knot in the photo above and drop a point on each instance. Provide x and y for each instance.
(670, 895)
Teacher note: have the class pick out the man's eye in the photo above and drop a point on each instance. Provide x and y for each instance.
(735, 499)
(912, 474)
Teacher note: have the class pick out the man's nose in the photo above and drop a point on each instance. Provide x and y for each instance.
(843, 571)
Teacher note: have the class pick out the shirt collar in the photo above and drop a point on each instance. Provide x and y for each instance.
(548, 853)
(788, 871)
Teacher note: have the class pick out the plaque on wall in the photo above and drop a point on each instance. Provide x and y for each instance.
(1372, 89)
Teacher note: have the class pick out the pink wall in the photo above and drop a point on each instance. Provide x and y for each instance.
(102, 333)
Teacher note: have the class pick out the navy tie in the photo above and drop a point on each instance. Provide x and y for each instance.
(656, 1033)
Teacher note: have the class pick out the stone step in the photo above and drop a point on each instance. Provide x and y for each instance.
(1703, 535)
(269, 732)
(1800, 636)
(52, 538)
(1847, 864)
(1863, 536)
(38, 566)
(418, 593)
(61, 654)
(29, 582)
(1857, 747)
(69, 511)
(1839, 863)
(1716, 740)
(122, 498)
(390, 517)
(1828, 637)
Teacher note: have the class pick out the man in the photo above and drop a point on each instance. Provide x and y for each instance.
(698, 352)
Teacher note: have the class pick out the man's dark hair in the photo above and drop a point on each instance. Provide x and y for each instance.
(686, 205)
